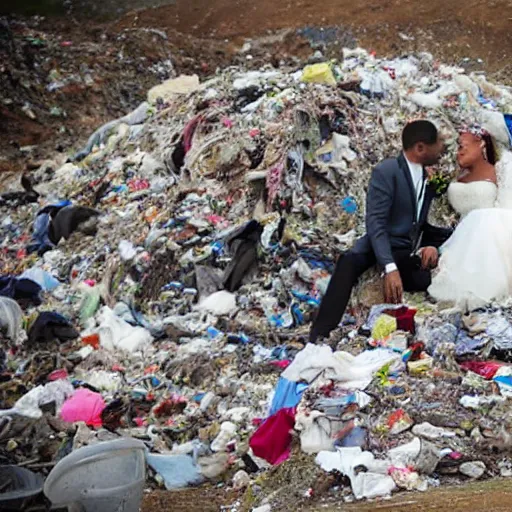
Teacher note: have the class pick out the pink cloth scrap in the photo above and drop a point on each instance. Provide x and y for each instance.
(84, 405)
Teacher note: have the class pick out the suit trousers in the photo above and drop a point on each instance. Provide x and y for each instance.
(352, 265)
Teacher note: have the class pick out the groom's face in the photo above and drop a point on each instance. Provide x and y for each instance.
(430, 154)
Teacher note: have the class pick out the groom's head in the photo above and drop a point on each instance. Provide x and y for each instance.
(421, 143)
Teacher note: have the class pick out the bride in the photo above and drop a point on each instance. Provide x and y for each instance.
(475, 267)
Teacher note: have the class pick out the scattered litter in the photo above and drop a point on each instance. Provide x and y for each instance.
(161, 287)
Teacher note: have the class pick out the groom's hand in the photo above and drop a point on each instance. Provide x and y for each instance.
(429, 258)
(393, 288)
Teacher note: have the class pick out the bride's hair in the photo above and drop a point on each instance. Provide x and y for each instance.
(490, 151)
(482, 134)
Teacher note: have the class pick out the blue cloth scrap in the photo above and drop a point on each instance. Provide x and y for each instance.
(177, 471)
(40, 234)
(504, 382)
(287, 394)
(508, 122)
(316, 259)
(20, 289)
(44, 279)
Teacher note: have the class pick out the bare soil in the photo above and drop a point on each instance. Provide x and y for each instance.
(452, 30)
(489, 496)
(203, 35)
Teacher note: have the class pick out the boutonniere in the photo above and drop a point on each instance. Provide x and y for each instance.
(438, 180)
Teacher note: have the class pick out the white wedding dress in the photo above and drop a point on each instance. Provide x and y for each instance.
(475, 267)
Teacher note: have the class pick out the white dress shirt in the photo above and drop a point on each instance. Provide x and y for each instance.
(418, 181)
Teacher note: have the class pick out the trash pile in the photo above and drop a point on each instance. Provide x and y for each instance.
(159, 286)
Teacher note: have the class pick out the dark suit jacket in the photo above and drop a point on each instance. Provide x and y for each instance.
(391, 211)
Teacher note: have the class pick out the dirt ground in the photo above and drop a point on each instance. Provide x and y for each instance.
(199, 36)
(453, 30)
(490, 496)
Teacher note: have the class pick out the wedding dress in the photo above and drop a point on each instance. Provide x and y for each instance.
(475, 267)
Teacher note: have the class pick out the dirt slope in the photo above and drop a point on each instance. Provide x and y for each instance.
(453, 29)
(120, 57)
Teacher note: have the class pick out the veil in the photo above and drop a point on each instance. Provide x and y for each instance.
(494, 124)
(504, 176)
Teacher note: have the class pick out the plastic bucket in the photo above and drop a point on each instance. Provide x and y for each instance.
(107, 477)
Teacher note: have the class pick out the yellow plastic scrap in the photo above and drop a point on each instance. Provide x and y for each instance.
(384, 326)
(319, 74)
(421, 366)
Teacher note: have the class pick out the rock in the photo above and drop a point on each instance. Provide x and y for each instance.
(246, 47)
(28, 112)
(473, 469)
(241, 479)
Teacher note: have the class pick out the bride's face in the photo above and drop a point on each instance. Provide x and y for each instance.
(470, 150)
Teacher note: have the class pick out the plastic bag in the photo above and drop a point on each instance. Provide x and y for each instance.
(90, 302)
(29, 405)
(219, 303)
(126, 250)
(227, 432)
(319, 74)
(177, 471)
(84, 405)
(11, 318)
(287, 394)
(44, 279)
(486, 369)
(115, 333)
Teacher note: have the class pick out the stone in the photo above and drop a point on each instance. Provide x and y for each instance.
(473, 469)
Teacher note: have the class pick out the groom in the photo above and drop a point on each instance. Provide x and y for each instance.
(398, 238)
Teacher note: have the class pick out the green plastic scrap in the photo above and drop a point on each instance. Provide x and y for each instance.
(383, 374)
(90, 303)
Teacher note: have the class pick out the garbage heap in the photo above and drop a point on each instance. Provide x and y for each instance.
(159, 286)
